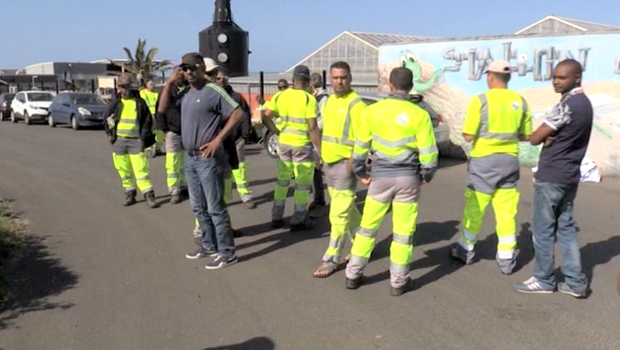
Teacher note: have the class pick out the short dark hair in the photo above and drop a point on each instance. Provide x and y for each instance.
(316, 80)
(341, 65)
(501, 76)
(401, 79)
(575, 66)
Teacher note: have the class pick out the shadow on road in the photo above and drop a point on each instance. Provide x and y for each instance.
(259, 343)
(35, 276)
(283, 239)
(599, 253)
(426, 233)
(486, 249)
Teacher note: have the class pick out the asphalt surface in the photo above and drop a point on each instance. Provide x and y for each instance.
(101, 276)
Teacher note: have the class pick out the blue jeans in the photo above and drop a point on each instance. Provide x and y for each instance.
(553, 218)
(205, 183)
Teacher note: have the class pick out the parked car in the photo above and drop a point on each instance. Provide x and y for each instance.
(5, 106)
(79, 109)
(442, 130)
(31, 106)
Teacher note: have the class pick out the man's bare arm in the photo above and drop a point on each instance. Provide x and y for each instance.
(315, 134)
(468, 137)
(233, 121)
(267, 118)
(541, 134)
(164, 101)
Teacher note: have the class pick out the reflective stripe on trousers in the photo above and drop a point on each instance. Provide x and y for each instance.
(131, 162)
(175, 170)
(344, 216)
(240, 175)
(402, 194)
(297, 161)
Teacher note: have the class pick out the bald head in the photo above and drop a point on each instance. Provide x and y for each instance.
(572, 65)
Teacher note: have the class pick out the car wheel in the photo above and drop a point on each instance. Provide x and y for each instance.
(50, 121)
(74, 123)
(27, 118)
(3, 117)
(13, 117)
(271, 145)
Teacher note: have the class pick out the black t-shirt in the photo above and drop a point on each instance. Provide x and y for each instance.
(561, 161)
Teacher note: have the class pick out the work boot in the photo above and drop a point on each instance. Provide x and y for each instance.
(150, 199)
(353, 283)
(130, 198)
(302, 226)
(176, 198)
(506, 266)
(460, 254)
(277, 224)
(250, 204)
(317, 209)
(184, 192)
(402, 290)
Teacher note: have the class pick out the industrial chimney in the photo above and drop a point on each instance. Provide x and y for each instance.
(225, 42)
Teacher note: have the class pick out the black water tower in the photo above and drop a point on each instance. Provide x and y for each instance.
(225, 41)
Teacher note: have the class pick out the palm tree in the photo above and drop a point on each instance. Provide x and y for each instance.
(144, 65)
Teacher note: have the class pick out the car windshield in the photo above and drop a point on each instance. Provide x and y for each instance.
(39, 97)
(87, 99)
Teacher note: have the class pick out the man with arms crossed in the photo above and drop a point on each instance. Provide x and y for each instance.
(565, 134)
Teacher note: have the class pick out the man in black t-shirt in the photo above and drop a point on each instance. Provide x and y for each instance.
(565, 134)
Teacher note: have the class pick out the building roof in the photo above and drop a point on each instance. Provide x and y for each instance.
(574, 24)
(378, 39)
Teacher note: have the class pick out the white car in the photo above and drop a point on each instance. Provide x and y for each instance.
(31, 106)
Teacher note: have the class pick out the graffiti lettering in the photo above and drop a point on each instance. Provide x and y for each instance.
(543, 62)
(617, 65)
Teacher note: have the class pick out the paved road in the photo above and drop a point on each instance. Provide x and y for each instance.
(101, 276)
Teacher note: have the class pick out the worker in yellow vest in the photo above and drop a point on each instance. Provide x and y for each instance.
(495, 122)
(399, 137)
(151, 97)
(295, 111)
(129, 128)
(341, 116)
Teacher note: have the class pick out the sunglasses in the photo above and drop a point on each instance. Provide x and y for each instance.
(186, 68)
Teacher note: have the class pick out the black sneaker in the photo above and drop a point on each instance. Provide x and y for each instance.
(402, 290)
(353, 283)
(130, 199)
(150, 199)
(277, 224)
(308, 225)
(185, 193)
(176, 198)
(221, 261)
(250, 204)
(201, 252)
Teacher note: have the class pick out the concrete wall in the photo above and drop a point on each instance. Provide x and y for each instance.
(452, 72)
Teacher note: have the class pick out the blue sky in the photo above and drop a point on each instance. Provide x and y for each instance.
(282, 32)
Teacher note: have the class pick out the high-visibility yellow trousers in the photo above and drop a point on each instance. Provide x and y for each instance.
(401, 193)
(131, 164)
(505, 204)
(240, 175)
(296, 161)
(492, 179)
(344, 216)
(175, 159)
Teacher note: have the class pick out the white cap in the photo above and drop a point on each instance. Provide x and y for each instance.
(211, 65)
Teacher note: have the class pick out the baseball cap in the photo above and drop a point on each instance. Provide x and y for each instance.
(210, 64)
(193, 59)
(499, 66)
(301, 71)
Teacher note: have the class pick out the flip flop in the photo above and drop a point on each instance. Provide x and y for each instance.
(330, 268)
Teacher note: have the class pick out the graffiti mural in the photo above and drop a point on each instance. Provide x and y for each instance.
(450, 73)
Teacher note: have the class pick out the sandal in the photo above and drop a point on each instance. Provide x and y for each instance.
(327, 269)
